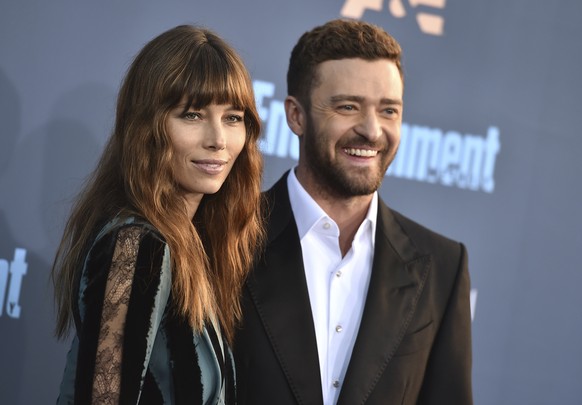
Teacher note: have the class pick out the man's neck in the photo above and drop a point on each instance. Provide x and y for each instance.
(347, 212)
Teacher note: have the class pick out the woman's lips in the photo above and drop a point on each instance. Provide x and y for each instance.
(210, 166)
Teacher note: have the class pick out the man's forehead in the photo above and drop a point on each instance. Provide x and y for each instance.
(353, 78)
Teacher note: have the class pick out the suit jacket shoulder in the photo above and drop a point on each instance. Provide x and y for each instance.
(413, 344)
(419, 292)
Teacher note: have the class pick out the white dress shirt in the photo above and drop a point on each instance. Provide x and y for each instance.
(337, 286)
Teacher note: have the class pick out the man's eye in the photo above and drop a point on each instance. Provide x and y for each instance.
(347, 107)
(391, 111)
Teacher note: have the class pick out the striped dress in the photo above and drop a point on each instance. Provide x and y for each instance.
(130, 347)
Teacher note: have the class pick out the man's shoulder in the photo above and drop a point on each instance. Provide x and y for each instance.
(280, 186)
(426, 240)
(277, 196)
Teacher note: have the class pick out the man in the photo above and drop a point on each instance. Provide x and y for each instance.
(351, 302)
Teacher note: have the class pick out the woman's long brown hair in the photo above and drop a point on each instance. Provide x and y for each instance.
(212, 254)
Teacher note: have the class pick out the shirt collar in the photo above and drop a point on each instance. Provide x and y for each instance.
(307, 212)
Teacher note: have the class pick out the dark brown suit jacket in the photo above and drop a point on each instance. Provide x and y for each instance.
(414, 341)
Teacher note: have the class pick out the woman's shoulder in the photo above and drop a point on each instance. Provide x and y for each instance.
(129, 242)
(128, 234)
(129, 228)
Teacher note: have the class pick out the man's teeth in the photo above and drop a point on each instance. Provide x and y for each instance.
(361, 152)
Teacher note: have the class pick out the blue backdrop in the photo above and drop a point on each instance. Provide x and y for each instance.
(489, 156)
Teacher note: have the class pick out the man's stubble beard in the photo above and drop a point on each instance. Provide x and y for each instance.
(331, 177)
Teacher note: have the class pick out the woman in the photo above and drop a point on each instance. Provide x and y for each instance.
(154, 254)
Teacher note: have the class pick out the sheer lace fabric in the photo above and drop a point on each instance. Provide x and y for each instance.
(107, 377)
(124, 295)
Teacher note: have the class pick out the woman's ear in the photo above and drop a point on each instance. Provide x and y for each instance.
(295, 115)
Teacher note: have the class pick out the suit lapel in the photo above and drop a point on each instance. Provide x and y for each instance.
(396, 282)
(279, 291)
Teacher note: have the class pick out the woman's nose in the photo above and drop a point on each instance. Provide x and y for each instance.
(215, 138)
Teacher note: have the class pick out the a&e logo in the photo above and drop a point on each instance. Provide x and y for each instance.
(11, 275)
(428, 22)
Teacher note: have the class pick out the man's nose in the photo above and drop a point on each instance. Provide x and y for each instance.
(369, 126)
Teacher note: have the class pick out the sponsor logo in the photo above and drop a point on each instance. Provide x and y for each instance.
(11, 275)
(426, 12)
(426, 154)
(448, 158)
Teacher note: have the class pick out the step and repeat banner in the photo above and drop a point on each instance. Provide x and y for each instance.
(490, 156)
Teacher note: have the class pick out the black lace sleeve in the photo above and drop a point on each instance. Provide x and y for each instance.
(123, 295)
(107, 377)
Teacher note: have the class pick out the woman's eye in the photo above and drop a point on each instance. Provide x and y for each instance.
(191, 115)
(234, 118)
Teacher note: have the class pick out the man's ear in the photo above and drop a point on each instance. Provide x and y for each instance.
(295, 115)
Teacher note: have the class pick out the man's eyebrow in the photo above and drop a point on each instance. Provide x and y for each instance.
(391, 101)
(346, 97)
(359, 99)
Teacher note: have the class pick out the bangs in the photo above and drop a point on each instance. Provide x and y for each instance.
(215, 77)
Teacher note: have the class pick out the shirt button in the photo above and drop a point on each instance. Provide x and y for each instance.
(336, 384)
(338, 273)
(326, 225)
(338, 328)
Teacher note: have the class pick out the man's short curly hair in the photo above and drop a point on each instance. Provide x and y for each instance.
(337, 39)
